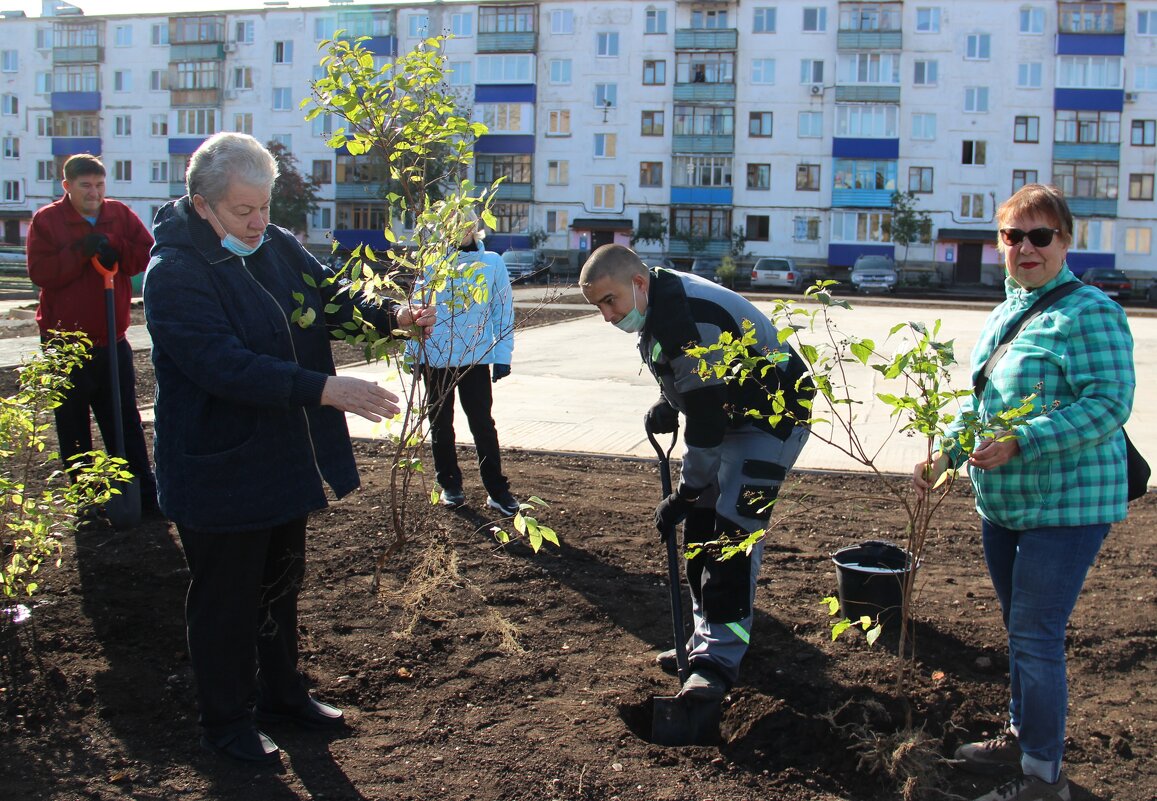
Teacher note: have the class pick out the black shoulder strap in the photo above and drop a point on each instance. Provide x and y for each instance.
(1043, 302)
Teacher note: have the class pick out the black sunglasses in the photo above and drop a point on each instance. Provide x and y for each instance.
(1040, 237)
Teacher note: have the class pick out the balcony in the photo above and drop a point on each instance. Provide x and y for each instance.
(706, 39)
(701, 195)
(351, 190)
(509, 191)
(89, 54)
(862, 198)
(869, 40)
(691, 143)
(861, 93)
(184, 145)
(1090, 151)
(1092, 206)
(71, 145)
(707, 247)
(512, 42)
(195, 97)
(704, 92)
(75, 101)
(197, 51)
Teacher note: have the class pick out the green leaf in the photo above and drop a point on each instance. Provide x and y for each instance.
(874, 634)
(840, 628)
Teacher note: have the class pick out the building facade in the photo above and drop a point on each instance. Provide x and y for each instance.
(692, 127)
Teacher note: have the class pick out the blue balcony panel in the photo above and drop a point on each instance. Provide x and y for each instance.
(1079, 262)
(1071, 151)
(689, 143)
(704, 92)
(849, 148)
(1089, 99)
(71, 145)
(844, 254)
(701, 195)
(505, 93)
(862, 198)
(1092, 206)
(382, 45)
(507, 42)
(350, 238)
(712, 247)
(184, 145)
(869, 40)
(503, 143)
(75, 101)
(1090, 44)
(349, 190)
(500, 243)
(706, 39)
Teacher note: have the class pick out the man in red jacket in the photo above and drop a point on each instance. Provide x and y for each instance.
(62, 240)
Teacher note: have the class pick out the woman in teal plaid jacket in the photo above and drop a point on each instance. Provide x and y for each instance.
(1048, 493)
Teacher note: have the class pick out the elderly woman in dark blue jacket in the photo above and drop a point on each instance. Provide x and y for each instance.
(249, 424)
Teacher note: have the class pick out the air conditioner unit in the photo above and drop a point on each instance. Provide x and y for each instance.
(816, 89)
(230, 47)
(1130, 97)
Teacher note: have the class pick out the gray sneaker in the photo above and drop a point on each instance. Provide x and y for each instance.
(989, 757)
(452, 498)
(1030, 788)
(703, 685)
(505, 503)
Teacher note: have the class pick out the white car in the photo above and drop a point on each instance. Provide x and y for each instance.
(874, 274)
(777, 272)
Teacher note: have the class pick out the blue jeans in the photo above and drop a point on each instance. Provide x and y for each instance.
(1038, 574)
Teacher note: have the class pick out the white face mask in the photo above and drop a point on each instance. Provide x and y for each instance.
(633, 320)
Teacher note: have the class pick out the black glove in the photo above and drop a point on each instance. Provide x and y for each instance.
(500, 372)
(92, 243)
(670, 512)
(662, 418)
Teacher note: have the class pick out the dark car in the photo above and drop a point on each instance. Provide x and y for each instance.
(705, 267)
(522, 263)
(1113, 283)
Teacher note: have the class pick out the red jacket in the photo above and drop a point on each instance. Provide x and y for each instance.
(71, 290)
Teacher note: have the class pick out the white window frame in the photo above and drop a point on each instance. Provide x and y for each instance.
(1032, 20)
(655, 21)
(283, 51)
(763, 19)
(810, 125)
(925, 72)
(462, 24)
(159, 34)
(978, 47)
(159, 171)
(1139, 239)
(1091, 72)
(122, 80)
(123, 125)
(763, 71)
(976, 100)
(927, 19)
(558, 122)
(924, 126)
(606, 145)
(461, 73)
(122, 36)
(604, 198)
(505, 68)
(1029, 75)
(875, 224)
(10, 105)
(868, 121)
(819, 19)
(243, 31)
(972, 205)
(811, 70)
(418, 25)
(560, 71)
(606, 95)
(562, 22)
(11, 191)
(122, 170)
(10, 147)
(159, 125)
(607, 44)
(46, 171)
(558, 172)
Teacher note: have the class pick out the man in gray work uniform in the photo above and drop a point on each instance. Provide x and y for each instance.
(733, 462)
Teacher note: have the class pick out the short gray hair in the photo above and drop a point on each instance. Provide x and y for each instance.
(227, 157)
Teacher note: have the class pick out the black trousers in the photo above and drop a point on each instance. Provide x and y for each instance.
(241, 620)
(91, 388)
(474, 392)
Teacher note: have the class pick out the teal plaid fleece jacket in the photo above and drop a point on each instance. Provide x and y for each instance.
(1077, 356)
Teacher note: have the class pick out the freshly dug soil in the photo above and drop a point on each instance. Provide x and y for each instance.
(494, 674)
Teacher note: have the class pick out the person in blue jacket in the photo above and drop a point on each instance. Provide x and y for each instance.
(468, 349)
(250, 425)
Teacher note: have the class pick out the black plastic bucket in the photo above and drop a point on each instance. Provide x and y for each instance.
(871, 579)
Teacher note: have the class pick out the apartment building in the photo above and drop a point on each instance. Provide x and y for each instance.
(688, 126)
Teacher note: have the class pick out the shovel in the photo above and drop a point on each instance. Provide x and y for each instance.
(678, 720)
(123, 510)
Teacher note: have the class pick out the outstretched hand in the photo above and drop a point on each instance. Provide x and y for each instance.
(363, 398)
(422, 317)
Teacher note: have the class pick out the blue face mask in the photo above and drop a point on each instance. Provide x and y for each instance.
(633, 320)
(234, 244)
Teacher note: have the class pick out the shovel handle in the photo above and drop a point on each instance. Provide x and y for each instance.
(664, 456)
(109, 273)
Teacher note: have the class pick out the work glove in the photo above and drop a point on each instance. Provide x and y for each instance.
(92, 243)
(661, 418)
(500, 372)
(672, 511)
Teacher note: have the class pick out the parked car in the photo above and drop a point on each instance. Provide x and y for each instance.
(521, 263)
(665, 263)
(1151, 294)
(874, 274)
(1113, 283)
(776, 271)
(705, 267)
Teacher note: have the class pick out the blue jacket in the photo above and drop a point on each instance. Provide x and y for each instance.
(475, 323)
(242, 441)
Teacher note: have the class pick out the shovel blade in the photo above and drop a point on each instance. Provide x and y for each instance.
(679, 720)
(124, 510)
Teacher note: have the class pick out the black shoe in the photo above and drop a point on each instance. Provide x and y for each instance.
(504, 502)
(453, 497)
(248, 745)
(313, 714)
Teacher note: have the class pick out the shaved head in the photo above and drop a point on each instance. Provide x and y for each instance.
(616, 262)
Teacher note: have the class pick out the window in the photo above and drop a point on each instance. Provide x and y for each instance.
(462, 24)
(869, 68)
(1093, 235)
(925, 72)
(699, 67)
(604, 196)
(506, 19)
(654, 73)
(11, 192)
(322, 218)
(1145, 77)
(242, 77)
(43, 83)
(197, 121)
(1032, 20)
(43, 38)
(560, 69)
(506, 68)
(321, 171)
(461, 73)
(711, 20)
(702, 222)
(815, 20)
(972, 151)
(159, 33)
(807, 177)
(123, 125)
(870, 17)
(704, 121)
(46, 170)
(927, 20)
(920, 179)
(562, 21)
(516, 169)
(283, 52)
(757, 228)
(243, 32)
(506, 118)
(283, 139)
(763, 70)
(122, 36)
(122, 81)
(159, 125)
(243, 123)
(558, 123)
(10, 145)
(606, 95)
(976, 99)
(1144, 133)
(558, 173)
(652, 123)
(159, 81)
(1138, 240)
(656, 20)
(868, 121)
(701, 171)
(759, 176)
(557, 221)
(1028, 75)
(1085, 127)
(764, 20)
(1090, 72)
(759, 123)
(282, 98)
(805, 229)
(197, 75)
(1141, 186)
(9, 62)
(323, 28)
(419, 25)
(978, 47)
(861, 226)
(811, 125)
(158, 172)
(1026, 129)
(607, 43)
(122, 170)
(811, 70)
(604, 145)
(1086, 179)
(9, 105)
(864, 174)
(1022, 177)
(650, 173)
(1147, 26)
(972, 206)
(44, 126)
